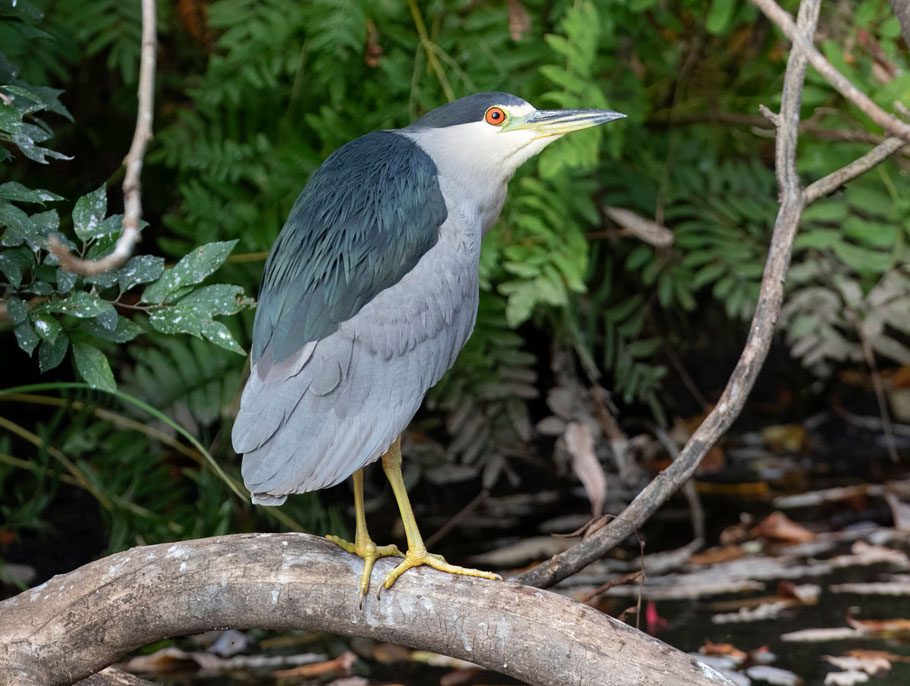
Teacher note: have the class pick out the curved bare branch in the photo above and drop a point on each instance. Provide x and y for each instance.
(132, 181)
(78, 623)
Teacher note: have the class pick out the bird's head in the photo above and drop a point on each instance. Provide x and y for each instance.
(492, 134)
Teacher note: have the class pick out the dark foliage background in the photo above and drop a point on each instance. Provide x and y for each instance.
(251, 96)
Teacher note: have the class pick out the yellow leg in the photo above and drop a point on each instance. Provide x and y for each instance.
(363, 545)
(417, 554)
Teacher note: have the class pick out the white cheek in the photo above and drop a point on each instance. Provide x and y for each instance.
(480, 150)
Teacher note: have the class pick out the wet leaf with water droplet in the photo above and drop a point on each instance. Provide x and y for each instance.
(26, 337)
(51, 353)
(80, 304)
(16, 309)
(123, 332)
(88, 214)
(93, 367)
(46, 326)
(140, 269)
(192, 269)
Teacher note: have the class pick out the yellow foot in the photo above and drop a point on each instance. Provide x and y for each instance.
(370, 552)
(419, 557)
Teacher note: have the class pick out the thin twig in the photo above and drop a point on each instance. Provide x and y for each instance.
(877, 386)
(759, 122)
(58, 455)
(454, 520)
(835, 180)
(685, 377)
(696, 511)
(429, 49)
(641, 583)
(132, 182)
(841, 83)
(612, 583)
(106, 415)
(756, 349)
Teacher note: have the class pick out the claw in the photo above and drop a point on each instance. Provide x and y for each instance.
(369, 552)
(417, 558)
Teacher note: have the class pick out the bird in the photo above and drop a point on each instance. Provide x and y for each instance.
(369, 293)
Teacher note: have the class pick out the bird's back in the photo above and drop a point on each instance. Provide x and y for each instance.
(369, 294)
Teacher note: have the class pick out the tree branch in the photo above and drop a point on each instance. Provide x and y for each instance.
(835, 180)
(742, 379)
(77, 623)
(132, 182)
(841, 83)
(767, 310)
(901, 9)
(114, 677)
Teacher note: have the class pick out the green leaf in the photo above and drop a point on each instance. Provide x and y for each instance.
(104, 279)
(80, 304)
(14, 262)
(123, 332)
(51, 353)
(707, 274)
(216, 299)
(46, 326)
(140, 269)
(829, 210)
(818, 239)
(863, 260)
(13, 190)
(522, 297)
(108, 318)
(190, 270)
(16, 222)
(177, 319)
(217, 333)
(877, 234)
(16, 309)
(65, 280)
(26, 337)
(193, 315)
(42, 225)
(719, 16)
(93, 367)
(868, 199)
(88, 214)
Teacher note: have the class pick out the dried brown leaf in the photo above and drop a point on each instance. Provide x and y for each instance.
(519, 20)
(889, 628)
(642, 228)
(779, 527)
(340, 666)
(580, 444)
(711, 648)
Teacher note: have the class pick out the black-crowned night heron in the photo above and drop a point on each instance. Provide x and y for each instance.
(368, 296)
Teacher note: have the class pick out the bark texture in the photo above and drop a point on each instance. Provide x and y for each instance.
(80, 622)
(114, 677)
(901, 10)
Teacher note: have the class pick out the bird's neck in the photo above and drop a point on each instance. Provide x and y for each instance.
(476, 189)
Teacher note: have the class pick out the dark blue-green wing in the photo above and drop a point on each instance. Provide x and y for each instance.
(364, 220)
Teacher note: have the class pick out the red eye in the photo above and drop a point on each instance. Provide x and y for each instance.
(495, 116)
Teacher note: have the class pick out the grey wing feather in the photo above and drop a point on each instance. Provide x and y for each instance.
(311, 421)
